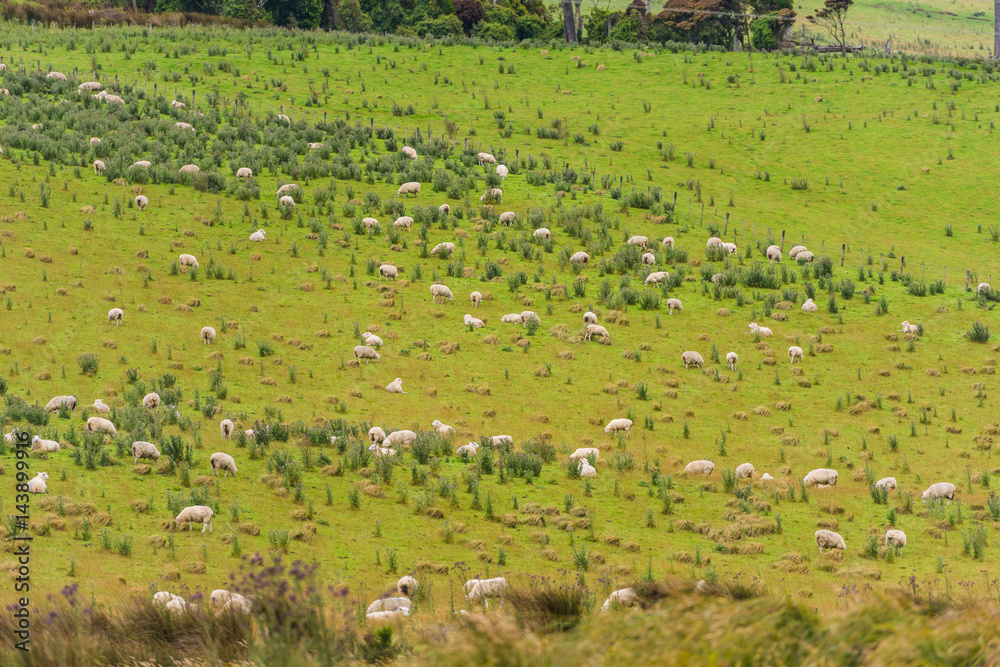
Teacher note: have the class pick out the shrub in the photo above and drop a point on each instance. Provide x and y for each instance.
(979, 333)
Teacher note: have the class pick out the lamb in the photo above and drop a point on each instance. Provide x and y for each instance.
(371, 339)
(376, 435)
(623, 597)
(502, 171)
(189, 169)
(762, 331)
(444, 209)
(542, 233)
(794, 252)
(99, 167)
(983, 288)
(579, 258)
(492, 195)
(486, 157)
(411, 188)
(409, 152)
(476, 298)
(804, 256)
(441, 291)
(448, 248)
(530, 316)
(389, 604)
(144, 450)
(151, 400)
(396, 387)
(714, 242)
(939, 490)
(809, 306)
(648, 259)
(61, 401)
(888, 483)
(730, 248)
(37, 483)
(258, 236)
(226, 426)
(366, 353)
(640, 241)
(286, 202)
(244, 173)
(700, 467)
(655, 278)
(188, 260)
(403, 222)
(49, 446)
(589, 318)
(587, 470)
(387, 271)
(794, 352)
(674, 304)
(507, 218)
(207, 335)
(403, 437)
(820, 476)
(99, 425)
(732, 359)
(584, 452)
(497, 440)
(620, 424)
(101, 407)
(487, 588)
(909, 328)
(597, 330)
(442, 429)
(224, 462)
(690, 358)
(668, 241)
(407, 586)
(829, 539)
(744, 471)
(475, 322)
(469, 449)
(141, 202)
(895, 539)
(196, 514)
(773, 254)
(179, 126)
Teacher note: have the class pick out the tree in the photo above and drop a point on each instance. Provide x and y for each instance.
(831, 18)
(469, 12)
(386, 15)
(709, 21)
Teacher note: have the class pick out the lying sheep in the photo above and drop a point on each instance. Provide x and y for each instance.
(502, 171)
(597, 330)
(387, 616)
(497, 440)
(37, 483)
(442, 292)
(371, 340)
(144, 450)
(475, 322)
(476, 298)
(494, 195)
(99, 166)
(507, 218)
(587, 470)
(447, 248)
(366, 353)
(589, 318)
(244, 173)
(387, 271)
(258, 236)
(623, 597)
(939, 490)
(115, 315)
(794, 352)
(196, 514)
(382, 452)
(404, 438)
(442, 429)
(188, 260)
(226, 426)
(655, 278)
(895, 539)
(409, 152)
(732, 359)
(101, 407)
(486, 158)
(620, 424)
(668, 241)
(161, 598)
(376, 435)
(407, 585)
(48, 446)
(640, 241)
(101, 425)
(207, 335)
(396, 387)
(795, 251)
(820, 476)
(286, 202)
(674, 304)
(909, 328)
(403, 222)
(829, 539)
(762, 331)
(773, 254)
(469, 449)
(542, 233)
(744, 471)
(809, 306)
(888, 483)
(57, 402)
(714, 242)
(151, 400)
(766, 477)
(487, 588)
(512, 318)
(579, 258)
(224, 462)
(584, 452)
(389, 604)
(700, 467)
(692, 358)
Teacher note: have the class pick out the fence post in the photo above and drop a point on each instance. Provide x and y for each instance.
(725, 232)
(843, 251)
(674, 208)
(782, 241)
(967, 277)
(902, 263)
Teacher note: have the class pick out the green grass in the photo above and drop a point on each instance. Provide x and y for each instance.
(869, 141)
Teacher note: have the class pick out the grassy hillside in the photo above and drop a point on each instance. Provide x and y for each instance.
(883, 159)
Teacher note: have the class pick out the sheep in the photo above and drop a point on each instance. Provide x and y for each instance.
(244, 173)
(794, 352)
(371, 223)
(56, 75)
(895, 539)
(411, 188)
(584, 452)
(441, 291)
(762, 331)
(387, 271)
(597, 330)
(9, 437)
(579, 258)
(189, 169)
(587, 470)
(714, 242)
(101, 407)
(101, 425)
(141, 202)
(589, 318)
(144, 450)
(809, 306)
(95, 141)
(730, 248)
(387, 616)
(115, 315)
(37, 483)
(487, 588)
(829, 539)
(207, 335)
(766, 477)
(492, 195)
(983, 288)
(476, 298)
(469, 449)
(648, 258)
(224, 462)
(655, 278)
(114, 99)
(403, 222)
(179, 126)
(692, 358)
(939, 490)
(161, 598)
(145, 164)
(177, 105)
(475, 322)
(151, 400)
(640, 241)
(623, 597)
(50, 446)
(620, 424)
(823, 476)
(804, 256)
(403, 437)
(37, 126)
(287, 187)
(285, 119)
(258, 236)
(286, 202)
(396, 387)
(888, 483)
(188, 260)
(366, 353)
(744, 471)
(196, 514)
(61, 401)
(732, 359)
(409, 152)
(530, 316)
(236, 604)
(314, 146)
(497, 440)
(220, 597)
(668, 242)
(795, 251)
(486, 157)
(376, 435)
(226, 426)
(99, 167)
(502, 171)
(773, 254)
(442, 429)
(507, 218)
(389, 604)
(447, 247)
(178, 607)
(371, 340)
(909, 328)
(674, 304)
(407, 586)
(700, 467)
(382, 452)
(444, 209)
(542, 233)
(88, 86)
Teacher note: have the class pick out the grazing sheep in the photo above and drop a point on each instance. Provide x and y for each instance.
(730, 248)
(895, 539)
(983, 288)
(196, 514)
(804, 256)
(512, 318)
(690, 357)
(444, 209)
(487, 588)
(486, 157)
(476, 298)
(507, 218)
(442, 429)
(189, 169)
(101, 406)
(287, 187)
(820, 476)
(224, 462)
(441, 291)
(809, 306)
(530, 316)
(188, 260)
(763, 331)
(282, 117)
(144, 450)
(542, 233)
(244, 173)
(502, 171)
(700, 467)
(366, 353)
(403, 222)
(909, 328)
(87, 85)
(49, 446)
(714, 242)
(388, 604)
(829, 539)
(56, 75)
(371, 339)
(115, 315)
(584, 452)
(620, 424)
(287, 202)
(409, 152)
(579, 258)
(888, 483)
(620, 599)
(179, 126)
(220, 597)
(589, 318)
(674, 304)
(744, 471)
(655, 278)
(411, 188)
(794, 352)
(95, 141)
(404, 438)
(396, 387)
(732, 359)
(37, 483)
(718, 278)
(114, 99)
(314, 146)
(497, 440)
(61, 401)
(178, 607)
(474, 321)
(447, 247)
(640, 241)
(371, 223)
(773, 254)
(99, 167)
(668, 241)
(596, 330)
(939, 490)
(37, 126)
(101, 425)
(258, 236)
(407, 586)
(794, 252)
(387, 271)
(145, 164)
(151, 400)
(492, 195)
(141, 202)
(226, 426)
(648, 259)
(469, 449)
(207, 335)
(587, 470)
(376, 435)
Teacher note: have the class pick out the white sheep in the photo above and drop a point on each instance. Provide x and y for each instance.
(441, 291)
(244, 173)
(286, 202)
(620, 424)
(674, 304)
(366, 353)
(403, 437)
(314, 146)
(794, 352)
(486, 157)
(589, 318)
(95, 141)
(403, 222)
(179, 126)
(114, 99)
(141, 202)
(224, 462)
(502, 171)
(101, 406)
(56, 75)
(512, 318)
(207, 335)
(497, 440)
(808, 306)
(492, 195)
(371, 340)
(939, 490)
(407, 585)
(144, 450)
(226, 426)
(387, 271)
(714, 242)
(177, 105)
(188, 260)
(476, 298)
(469, 449)
(49, 446)
(389, 604)
(795, 251)
(668, 241)
(487, 588)
(579, 258)
(376, 435)
(888, 483)
(718, 278)
(258, 236)
(411, 188)
(732, 359)
(648, 259)
(442, 429)
(762, 331)
(909, 328)
(730, 248)
(640, 241)
(820, 477)
(409, 152)
(37, 126)
(804, 256)
(115, 315)
(507, 218)
(87, 85)
(447, 247)
(61, 401)
(237, 604)
(530, 316)
(700, 467)
(287, 187)
(189, 169)
(983, 288)
(387, 616)
(584, 452)
(37, 483)
(766, 477)
(587, 470)
(221, 596)
(829, 539)
(145, 164)
(444, 209)
(396, 387)
(99, 166)
(151, 400)
(161, 598)
(744, 471)
(474, 321)
(196, 514)
(542, 233)
(655, 278)
(101, 425)
(773, 254)
(623, 597)
(895, 539)
(597, 330)
(692, 358)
